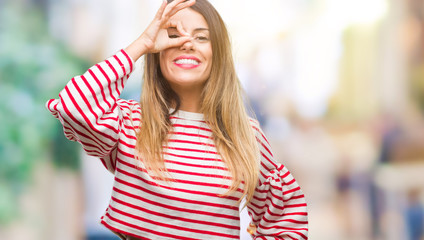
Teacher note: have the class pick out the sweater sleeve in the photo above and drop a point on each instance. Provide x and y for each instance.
(88, 106)
(278, 207)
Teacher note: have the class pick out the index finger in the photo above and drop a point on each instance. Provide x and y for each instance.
(159, 13)
(176, 6)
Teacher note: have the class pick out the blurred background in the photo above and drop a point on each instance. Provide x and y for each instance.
(338, 86)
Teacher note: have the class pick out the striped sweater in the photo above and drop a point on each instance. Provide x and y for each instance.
(193, 205)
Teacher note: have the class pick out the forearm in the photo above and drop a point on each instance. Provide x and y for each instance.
(278, 207)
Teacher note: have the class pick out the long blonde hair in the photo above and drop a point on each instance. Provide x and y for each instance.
(221, 104)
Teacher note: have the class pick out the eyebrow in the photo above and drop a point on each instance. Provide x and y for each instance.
(201, 29)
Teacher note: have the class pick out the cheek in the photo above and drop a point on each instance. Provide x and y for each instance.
(209, 52)
(209, 56)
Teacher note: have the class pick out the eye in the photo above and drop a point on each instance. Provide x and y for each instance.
(173, 36)
(201, 38)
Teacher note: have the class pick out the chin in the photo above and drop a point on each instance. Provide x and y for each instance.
(187, 83)
(187, 80)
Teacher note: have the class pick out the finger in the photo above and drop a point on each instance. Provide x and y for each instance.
(170, 6)
(181, 29)
(176, 42)
(181, 6)
(177, 25)
(171, 24)
(161, 9)
(175, 3)
(176, 6)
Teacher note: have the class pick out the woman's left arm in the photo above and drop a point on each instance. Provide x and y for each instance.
(278, 207)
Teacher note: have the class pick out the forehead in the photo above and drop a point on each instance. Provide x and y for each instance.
(190, 19)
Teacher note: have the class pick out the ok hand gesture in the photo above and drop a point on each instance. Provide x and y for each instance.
(155, 37)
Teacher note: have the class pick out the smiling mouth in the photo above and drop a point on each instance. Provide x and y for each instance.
(187, 63)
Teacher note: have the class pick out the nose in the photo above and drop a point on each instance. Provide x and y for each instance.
(188, 45)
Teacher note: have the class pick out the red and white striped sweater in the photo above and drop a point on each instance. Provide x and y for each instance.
(191, 206)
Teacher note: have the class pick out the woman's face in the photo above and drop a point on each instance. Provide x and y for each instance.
(190, 64)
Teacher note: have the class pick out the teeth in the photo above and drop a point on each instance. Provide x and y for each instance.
(187, 61)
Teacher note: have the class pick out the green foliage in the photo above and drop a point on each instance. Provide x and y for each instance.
(33, 68)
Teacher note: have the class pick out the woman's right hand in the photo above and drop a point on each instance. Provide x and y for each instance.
(155, 37)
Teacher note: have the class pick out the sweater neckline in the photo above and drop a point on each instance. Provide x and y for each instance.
(187, 115)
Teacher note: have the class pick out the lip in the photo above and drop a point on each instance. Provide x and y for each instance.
(187, 57)
(187, 66)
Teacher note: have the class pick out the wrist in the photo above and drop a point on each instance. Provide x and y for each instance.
(137, 49)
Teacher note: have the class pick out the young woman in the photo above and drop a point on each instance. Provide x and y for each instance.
(187, 153)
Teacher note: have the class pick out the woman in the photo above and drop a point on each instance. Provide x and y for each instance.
(186, 155)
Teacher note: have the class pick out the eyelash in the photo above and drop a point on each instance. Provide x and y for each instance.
(199, 38)
(173, 36)
(202, 38)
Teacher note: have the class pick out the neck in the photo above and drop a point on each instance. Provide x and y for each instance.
(189, 98)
